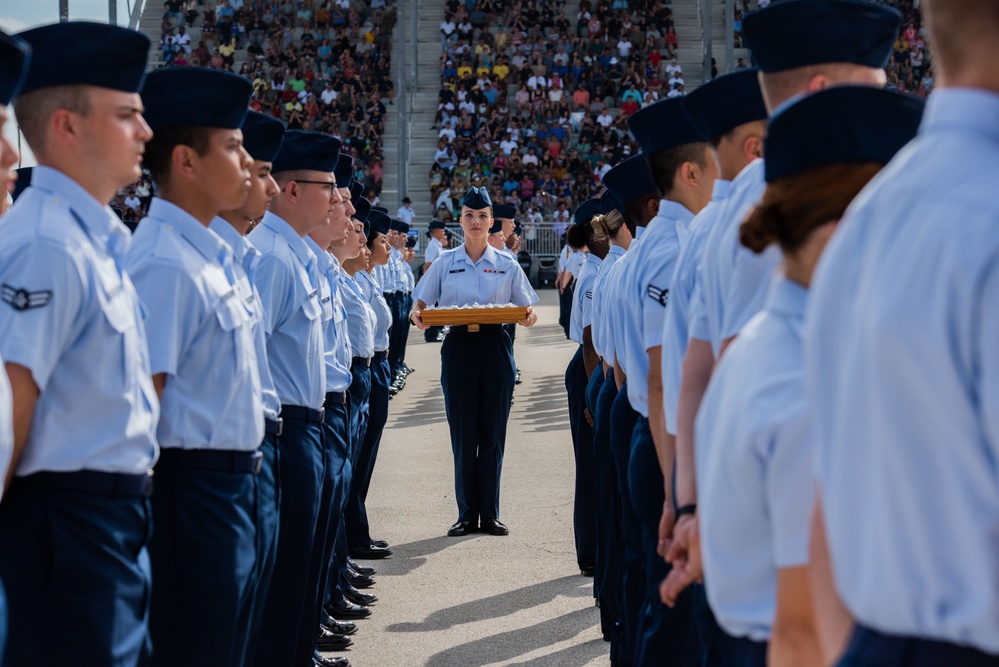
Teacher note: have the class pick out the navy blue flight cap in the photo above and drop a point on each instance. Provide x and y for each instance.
(362, 207)
(585, 211)
(476, 198)
(85, 53)
(725, 103)
(356, 190)
(15, 56)
(664, 125)
(307, 150)
(630, 179)
(343, 171)
(222, 98)
(608, 203)
(399, 226)
(262, 136)
(435, 224)
(508, 211)
(22, 182)
(859, 124)
(496, 227)
(378, 221)
(796, 33)
(411, 242)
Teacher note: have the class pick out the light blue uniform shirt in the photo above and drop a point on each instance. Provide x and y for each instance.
(200, 332)
(582, 311)
(681, 292)
(455, 280)
(336, 339)
(434, 250)
(903, 371)
(754, 466)
(288, 281)
(390, 275)
(72, 317)
(6, 427)
(383, 314)
(602, 338)
(644, 292)
(728, 297)
(247, 260)
(409, 278)
(615, 315)
(360, 317)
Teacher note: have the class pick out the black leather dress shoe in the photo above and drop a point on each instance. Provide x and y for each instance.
(379, 543)
(339, 627)
(357, 597)
(346, 611)
(361, 569)
(370, 553)
(462, 528)
(323, 661)
(588, 571)
(359, 580)
(494, 527)
(329, 641)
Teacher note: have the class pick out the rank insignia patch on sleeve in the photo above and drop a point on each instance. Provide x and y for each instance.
(21, 299)
(658, 294)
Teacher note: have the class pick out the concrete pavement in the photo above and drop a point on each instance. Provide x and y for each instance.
(480, 601)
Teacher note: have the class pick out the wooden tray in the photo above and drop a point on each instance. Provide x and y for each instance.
(439, 317)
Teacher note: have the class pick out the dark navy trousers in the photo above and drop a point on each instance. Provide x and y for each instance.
(584, 517)
(477, 376)
(667, 636)
(203, 552)
(717, 647)
(268, 525)
(565, 309)
(870, 648)
(623, 420)
(293, 590)
(358, 531)
(610, 545)
(331, 550)
(80, 556)
(397, 302)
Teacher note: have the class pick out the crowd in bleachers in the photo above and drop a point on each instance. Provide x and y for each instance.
(534, 108)
(315, 65)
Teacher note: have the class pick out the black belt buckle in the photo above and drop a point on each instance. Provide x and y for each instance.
(258, 458)
(149, 483)
(322, 414)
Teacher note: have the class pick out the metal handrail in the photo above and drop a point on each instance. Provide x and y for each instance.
(136, 16)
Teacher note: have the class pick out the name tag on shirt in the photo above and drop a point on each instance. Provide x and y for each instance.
(456, 271)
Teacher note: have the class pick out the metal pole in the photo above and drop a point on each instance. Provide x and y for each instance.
(414, 17)
(729, 35)
(63, 11)
(113, 12)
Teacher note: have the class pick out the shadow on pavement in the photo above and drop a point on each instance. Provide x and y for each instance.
(497, 606)
(570, 656)
(407, 557)
(507, 646)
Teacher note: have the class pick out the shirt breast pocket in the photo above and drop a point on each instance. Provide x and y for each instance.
(121, 313)
(311, 307)
(232, 353)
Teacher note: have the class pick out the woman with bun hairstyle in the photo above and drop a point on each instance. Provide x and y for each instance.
(754, 453)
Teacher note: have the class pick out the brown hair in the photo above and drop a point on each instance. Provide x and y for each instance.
(34, 110)
(159, 149)
(664, 164)
(794, 206)
(607, 226)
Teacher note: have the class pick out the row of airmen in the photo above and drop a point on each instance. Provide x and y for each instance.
(250, 369)
(783, 404)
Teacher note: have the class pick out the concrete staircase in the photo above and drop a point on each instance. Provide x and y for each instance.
(688, 28)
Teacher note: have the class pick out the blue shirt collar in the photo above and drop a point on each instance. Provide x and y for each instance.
(280, 226)
(241, 247)
(204, 240)
(594, 260)
(721, 190)
(324, 259)
(672, 215)
(965, 109)
(98, 221)
(787, 297)
(489, 255)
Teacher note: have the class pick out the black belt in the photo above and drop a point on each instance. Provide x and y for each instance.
(273, 426)
(393, 294)
(868, 643)
(301, 414)
(477, 328)
(222, 460)
(113, 484)
(363, 362)
(380, 355)
(335, 398)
